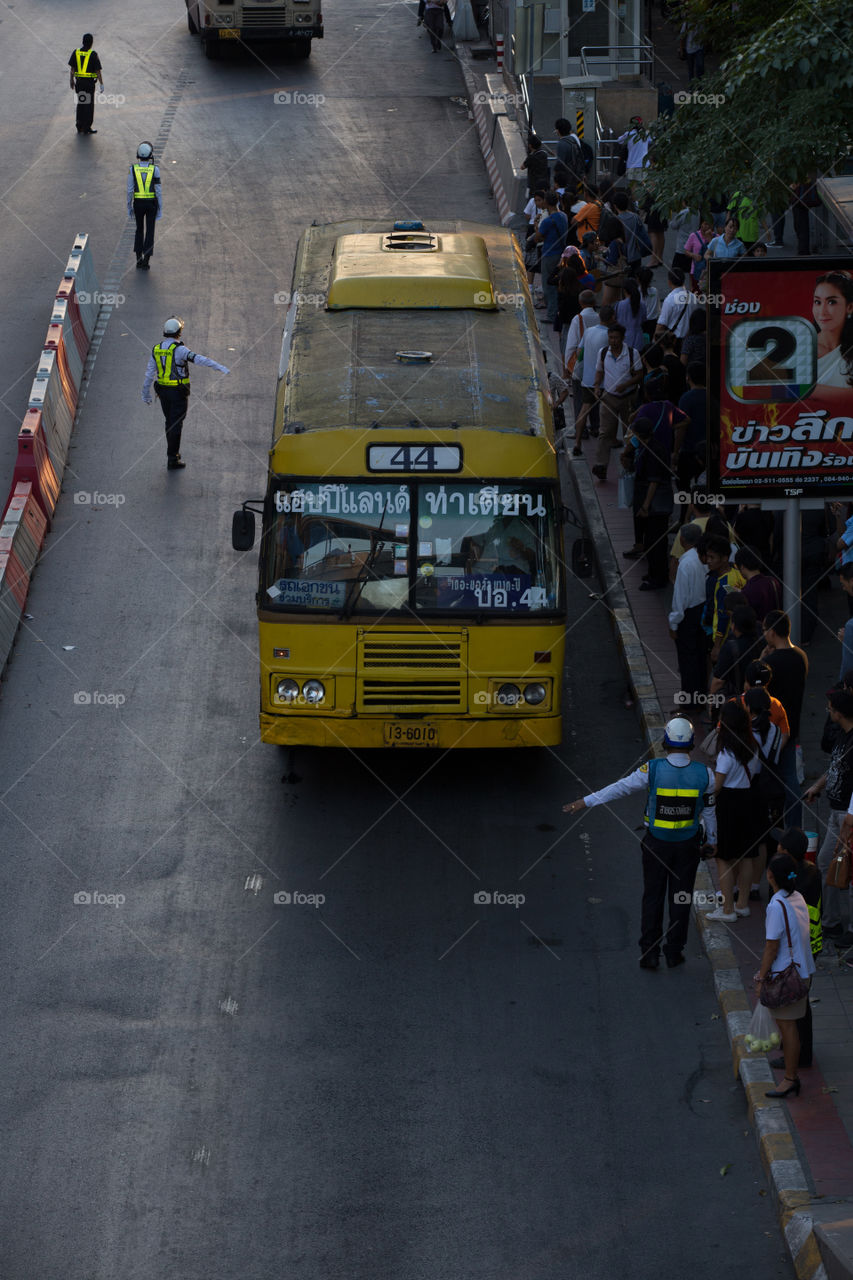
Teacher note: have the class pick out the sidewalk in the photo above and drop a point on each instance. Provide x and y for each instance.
(807, 1145)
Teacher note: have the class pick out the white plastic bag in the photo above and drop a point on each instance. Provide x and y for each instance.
(763, 1034)
(625, 492)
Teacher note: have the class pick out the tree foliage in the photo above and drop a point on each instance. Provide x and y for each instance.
(779, 109)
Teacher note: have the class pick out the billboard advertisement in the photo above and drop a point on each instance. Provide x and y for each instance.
(781, 377)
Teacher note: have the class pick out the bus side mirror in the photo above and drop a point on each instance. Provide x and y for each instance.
(243, 530)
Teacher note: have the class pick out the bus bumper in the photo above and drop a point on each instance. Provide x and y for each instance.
(360, 734)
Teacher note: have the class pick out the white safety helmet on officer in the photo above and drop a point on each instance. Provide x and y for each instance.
(173, 327)
(144, 151)
(678, 734)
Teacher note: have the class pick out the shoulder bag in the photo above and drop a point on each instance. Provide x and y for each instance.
(838, 871)
(787, 987)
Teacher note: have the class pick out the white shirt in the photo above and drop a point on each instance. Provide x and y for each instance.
(684, 223)
(576, 340)
(675, 311)
(617, 369)
(637, 149)
(737, 778)
(594, 340)
(650, 298)
(689, 589)
(639, 781)
(798, 923)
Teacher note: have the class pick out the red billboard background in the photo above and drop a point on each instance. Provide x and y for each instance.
(781, 376)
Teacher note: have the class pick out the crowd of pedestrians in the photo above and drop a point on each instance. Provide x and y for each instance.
(633, 372)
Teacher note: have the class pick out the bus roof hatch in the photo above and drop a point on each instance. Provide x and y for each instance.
(411, 269)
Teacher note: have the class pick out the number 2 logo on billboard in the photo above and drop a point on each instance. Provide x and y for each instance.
(771, 361)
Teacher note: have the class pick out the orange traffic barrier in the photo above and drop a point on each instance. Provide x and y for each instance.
(67, 293)
(33, 465)
(21, 536)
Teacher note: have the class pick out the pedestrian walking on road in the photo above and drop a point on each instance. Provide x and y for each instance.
(168, 371)
(679, 790)
(435, 12)
(787, 942)
(85, 70)
(144, 202)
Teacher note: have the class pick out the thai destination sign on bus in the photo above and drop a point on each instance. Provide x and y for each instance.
(781, 376)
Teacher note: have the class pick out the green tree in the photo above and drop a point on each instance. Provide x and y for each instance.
(779, 109)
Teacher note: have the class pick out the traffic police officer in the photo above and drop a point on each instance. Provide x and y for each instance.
(85, 70)
(678, 790)
(145, 202)
(168, 371)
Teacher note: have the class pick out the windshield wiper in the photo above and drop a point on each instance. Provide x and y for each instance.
(357, 585)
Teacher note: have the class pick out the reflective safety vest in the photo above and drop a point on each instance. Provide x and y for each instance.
(676, 799)
(82, 57)
(815, 930)
(143, 179)
(167, 372)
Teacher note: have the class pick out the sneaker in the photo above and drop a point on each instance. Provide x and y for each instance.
(599, 472)
(755, 894)
(742, 911)
(720, 914)
(175, 464)
(846, 940)
(833, 930)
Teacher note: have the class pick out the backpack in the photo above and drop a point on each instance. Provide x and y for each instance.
(588, 156)
(610, 226)
(767, 786)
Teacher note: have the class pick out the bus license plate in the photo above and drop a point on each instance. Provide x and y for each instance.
(411, 735)
(229, 33)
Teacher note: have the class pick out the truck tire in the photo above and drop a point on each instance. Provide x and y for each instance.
(302, 47)
(191, 24)
(211, 48)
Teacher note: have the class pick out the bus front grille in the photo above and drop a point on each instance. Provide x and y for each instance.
(411, 671)
(411, 652)
(404, 695)
(265, 16)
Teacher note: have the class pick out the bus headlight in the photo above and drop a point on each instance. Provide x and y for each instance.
(314, 691)
(509, 695)
(534, 694)
(287, 690)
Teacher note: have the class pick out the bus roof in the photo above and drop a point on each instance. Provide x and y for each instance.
(379, 339)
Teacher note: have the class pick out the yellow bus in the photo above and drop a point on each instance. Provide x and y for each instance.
(411, 589)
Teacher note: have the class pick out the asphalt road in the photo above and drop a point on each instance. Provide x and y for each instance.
(396, 1083)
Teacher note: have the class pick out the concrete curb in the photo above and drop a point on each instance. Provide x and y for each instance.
(817, 1236)
(505, 211)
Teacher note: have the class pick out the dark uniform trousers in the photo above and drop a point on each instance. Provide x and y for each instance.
(145, 212)
(692, 653)
(84, 87)
(174, 401)
(669, 873)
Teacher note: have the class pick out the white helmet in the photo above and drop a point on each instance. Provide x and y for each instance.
(678, 734)
(144, 151)
(173, 326)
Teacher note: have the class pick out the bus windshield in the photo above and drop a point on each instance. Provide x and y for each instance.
(363, 547)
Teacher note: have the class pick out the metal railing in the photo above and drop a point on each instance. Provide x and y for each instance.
(616, 60)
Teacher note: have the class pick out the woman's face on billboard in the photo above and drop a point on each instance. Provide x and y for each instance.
(830, 309)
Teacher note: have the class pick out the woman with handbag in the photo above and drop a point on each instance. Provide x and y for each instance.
(784, 977)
